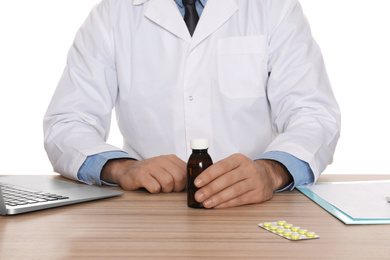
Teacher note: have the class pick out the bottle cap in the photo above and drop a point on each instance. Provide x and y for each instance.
(199, 144)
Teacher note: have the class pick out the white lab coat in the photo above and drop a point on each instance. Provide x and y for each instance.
(167, 88)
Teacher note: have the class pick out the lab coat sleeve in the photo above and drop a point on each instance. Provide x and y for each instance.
(305, 113)
(77, 120)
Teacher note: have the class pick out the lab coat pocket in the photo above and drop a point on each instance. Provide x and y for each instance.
(242, 66)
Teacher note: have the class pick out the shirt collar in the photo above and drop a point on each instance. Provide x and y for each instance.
(180, 2)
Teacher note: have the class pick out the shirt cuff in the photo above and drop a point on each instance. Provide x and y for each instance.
(299, 170)
(90, 170)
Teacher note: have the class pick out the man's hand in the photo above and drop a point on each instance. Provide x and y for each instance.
(165, 173)
(237, 180)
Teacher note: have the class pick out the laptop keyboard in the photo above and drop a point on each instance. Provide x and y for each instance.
(16, 195)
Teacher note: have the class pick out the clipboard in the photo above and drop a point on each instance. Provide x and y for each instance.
(353, 203)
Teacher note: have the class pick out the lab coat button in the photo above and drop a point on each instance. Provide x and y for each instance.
(191, 98)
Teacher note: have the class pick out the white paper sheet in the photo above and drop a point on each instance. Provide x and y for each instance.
(360, 200)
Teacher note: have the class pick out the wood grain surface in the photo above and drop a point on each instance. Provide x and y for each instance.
(139, 225)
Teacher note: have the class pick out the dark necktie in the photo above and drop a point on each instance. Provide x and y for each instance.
(191, 15)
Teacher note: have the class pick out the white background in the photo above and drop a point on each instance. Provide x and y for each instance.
(353, 35)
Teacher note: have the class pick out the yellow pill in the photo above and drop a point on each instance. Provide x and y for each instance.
(295, 236)
(295, 229)
(267, 224)
(280, 230)
(281, 222)
(302, 231)
(287, 233)
(273, 228)
(310, 234)
(288, 226)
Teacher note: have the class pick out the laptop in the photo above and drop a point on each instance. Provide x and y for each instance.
(26, 193)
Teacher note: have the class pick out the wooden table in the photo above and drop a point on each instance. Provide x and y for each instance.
(139, 225)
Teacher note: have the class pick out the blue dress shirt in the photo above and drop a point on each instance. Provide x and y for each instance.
(198, 4)
(89, 171)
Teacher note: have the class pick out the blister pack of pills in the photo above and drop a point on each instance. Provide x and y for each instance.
(288, 231)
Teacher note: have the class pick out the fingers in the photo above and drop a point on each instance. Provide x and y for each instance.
(159, 174)
(221, 175)
(173, 175)
(235, 201)
(218, 169)
(237, 180)
(216, 187)
(150, 184)
(237, 195)
(178, 172)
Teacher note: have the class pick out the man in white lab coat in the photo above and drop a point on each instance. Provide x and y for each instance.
(250, 79)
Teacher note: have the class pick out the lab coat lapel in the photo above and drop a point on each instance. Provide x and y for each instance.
(214, 15)
(166, 14)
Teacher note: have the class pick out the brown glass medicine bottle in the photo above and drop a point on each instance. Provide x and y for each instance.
(197, 163)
